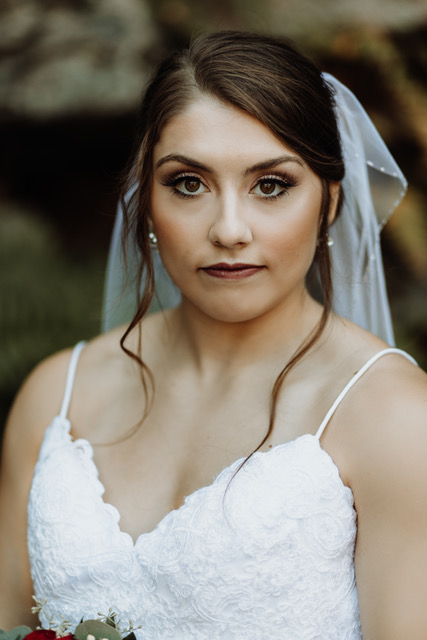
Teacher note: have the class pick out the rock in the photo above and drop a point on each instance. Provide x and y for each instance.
(314, 19)
(73, 57)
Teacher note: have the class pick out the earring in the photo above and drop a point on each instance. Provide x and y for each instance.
(329, 241)
(153, 240)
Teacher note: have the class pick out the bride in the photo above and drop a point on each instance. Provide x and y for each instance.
(206, 467)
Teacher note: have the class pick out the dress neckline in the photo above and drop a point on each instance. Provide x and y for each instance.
(85, 446)
(230, 469)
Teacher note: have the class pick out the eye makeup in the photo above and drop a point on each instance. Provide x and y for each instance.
(271, 187)
(189, 185)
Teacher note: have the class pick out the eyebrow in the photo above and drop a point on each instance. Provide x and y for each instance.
(173, 157)
(260, 166)
(269, 164)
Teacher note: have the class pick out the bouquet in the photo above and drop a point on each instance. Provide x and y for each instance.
(103, 628)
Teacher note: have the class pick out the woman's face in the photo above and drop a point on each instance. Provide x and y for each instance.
(235, 211)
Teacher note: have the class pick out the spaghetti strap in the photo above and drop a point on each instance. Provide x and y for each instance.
(353, 381)
(70, 378)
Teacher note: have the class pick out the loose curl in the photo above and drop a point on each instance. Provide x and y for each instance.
(268, 79)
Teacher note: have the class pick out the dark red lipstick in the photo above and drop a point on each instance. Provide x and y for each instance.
(235, 271)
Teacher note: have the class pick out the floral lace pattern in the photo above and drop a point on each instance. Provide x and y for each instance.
(271, 559)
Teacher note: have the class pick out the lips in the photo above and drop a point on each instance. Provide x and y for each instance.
(236, 271)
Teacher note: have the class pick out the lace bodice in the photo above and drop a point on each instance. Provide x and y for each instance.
(271, 559)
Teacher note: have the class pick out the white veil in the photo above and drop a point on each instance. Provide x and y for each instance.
(373, 186)
(120, 293)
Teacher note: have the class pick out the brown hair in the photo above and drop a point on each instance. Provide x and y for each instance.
(267, 78)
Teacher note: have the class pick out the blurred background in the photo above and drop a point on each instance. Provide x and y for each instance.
(71, 76)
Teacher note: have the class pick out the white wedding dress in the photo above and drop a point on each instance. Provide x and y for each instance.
(273, 559)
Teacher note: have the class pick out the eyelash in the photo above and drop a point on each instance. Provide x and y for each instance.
(173, 180)
(285, 181)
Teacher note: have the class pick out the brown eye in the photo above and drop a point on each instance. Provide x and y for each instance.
(191, 185)
(185, 186)
(272, 187)
(267, 188)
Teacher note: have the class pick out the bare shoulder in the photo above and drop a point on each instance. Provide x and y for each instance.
(106, 383)
(393, 399)
(392, 385)
(40, 398)
(404, 386)
(107, 397)
(383, 413)
(36, 404)
(387, 437)
(388, 476)
(389, 401)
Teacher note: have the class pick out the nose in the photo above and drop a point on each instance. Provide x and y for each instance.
(230, 226)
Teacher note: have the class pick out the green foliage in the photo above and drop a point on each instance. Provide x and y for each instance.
(17, 633)
(48, 300)
(97, 629)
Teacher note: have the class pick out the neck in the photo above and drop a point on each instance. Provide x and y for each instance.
(214, 345)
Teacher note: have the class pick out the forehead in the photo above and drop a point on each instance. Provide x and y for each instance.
(209, 128)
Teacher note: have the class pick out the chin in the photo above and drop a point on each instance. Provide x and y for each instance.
(234, 313)
(234, 318)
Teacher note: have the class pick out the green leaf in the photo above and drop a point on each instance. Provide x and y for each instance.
(99, 630)
(17, 633)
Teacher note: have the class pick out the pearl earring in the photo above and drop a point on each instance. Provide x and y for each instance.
(153, 240)
(330, 241)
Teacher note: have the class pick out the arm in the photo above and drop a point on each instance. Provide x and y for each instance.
(390, 488)
(35, 406)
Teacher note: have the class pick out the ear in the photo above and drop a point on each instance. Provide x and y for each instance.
(334, 197)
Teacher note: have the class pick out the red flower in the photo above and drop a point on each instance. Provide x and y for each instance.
(41, 634)
(46, 634)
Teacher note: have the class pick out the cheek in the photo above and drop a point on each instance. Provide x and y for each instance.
(165, 225)
(295, 238)
(166, 230)
(180, 227)
(176, 241)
